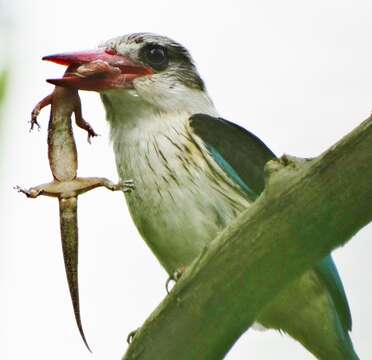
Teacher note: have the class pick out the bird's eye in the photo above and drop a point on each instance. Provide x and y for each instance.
(156, 56)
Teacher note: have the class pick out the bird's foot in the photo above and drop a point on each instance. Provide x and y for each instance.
(131, 336)
(174, 278)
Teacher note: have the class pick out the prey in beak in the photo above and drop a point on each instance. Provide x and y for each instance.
(97, 70)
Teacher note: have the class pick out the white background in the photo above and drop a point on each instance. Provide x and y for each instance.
(296, 73)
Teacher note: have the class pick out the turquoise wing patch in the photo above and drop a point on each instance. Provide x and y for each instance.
(328, 273)
(229, 170)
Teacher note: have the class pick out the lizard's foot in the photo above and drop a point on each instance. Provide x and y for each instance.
(127, 185)
(174, 278)
(30, 193)
(131, 336)
(34, 121)
(85, 126)
(79, 120)
(36, 111)
(82, 185)
(124, 185)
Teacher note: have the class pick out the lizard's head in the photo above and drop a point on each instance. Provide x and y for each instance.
(154, 68)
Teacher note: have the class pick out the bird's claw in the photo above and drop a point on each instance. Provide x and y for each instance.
(174, 277)
(131, 336)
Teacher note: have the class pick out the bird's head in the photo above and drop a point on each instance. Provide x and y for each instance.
(140, 68)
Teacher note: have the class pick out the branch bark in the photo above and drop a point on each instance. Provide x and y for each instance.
(309, 207)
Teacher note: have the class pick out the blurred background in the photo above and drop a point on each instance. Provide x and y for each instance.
(296, 73)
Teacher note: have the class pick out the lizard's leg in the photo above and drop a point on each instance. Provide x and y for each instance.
(52, 189)
(30, 193)
(79, 120)
(85, 184)
(36, 110)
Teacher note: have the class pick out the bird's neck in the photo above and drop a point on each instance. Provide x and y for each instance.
(129, 109)
(133, 119)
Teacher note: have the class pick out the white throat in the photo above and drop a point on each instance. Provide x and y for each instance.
(136, 123)
(139, 113)
(149, 102)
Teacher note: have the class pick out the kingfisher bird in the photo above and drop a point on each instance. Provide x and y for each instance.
(195, 172)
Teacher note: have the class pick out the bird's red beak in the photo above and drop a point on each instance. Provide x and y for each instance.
(97, 70)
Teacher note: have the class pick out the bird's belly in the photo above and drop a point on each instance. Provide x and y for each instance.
(181, 200)
(178, 220)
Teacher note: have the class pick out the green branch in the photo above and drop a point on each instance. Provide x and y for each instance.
(309, 207)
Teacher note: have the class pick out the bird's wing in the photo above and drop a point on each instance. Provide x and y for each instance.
(327, 271)
(238, 152)
(242, 156)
